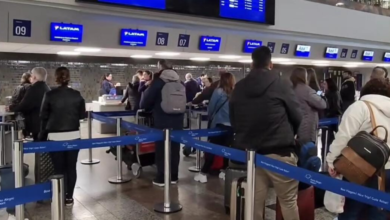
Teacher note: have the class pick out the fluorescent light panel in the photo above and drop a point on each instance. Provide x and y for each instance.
(169, 54)
(199, 58)
(229, 57)
(141, 56)
(68, 53)
(87, 50)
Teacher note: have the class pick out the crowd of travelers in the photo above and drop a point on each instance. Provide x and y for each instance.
(263, 111)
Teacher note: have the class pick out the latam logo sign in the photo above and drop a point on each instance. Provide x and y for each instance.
(302, 51)
(386, 57)
(133, 38)
(72, 33)
(251, 45)
(331, 52)
(207, 43)
(368, 55)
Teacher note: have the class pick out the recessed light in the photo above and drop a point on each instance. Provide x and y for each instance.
(229, 57)
(87, 50)
(68, 53)
(280, 60)
(320, 62)
(350, 66)
(169, 54)
(140, 56)
(103, 66)
(200, 58)
(354, 63)
(120, 64)
(245, 61)
(288, 63)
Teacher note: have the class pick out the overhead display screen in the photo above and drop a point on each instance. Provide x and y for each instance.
(331, 52)
(156, 4)
(207, 43)
(66, 32)
(302, 51)
(134, 38)
(386, 57)
(258, 11)
(368, 55)
(251, 45)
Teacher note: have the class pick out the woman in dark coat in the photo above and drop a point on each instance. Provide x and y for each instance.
(132, 95)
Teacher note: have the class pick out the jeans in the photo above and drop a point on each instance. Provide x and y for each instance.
(331, 130)
(65, 163)
(160, 159)
(353, 210)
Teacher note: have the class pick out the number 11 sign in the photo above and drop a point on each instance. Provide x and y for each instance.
(22, 28)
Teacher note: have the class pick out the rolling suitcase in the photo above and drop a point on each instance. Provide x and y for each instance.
(306, 205)
(237, 202)
(231, 174)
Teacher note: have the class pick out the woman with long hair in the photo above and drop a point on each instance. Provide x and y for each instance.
(218, 112)
(312, 79)
(105, 84)
(310, 103)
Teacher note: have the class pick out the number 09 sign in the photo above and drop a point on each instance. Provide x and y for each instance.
(22, 28)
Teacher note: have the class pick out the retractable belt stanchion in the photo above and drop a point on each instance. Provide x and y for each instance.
(90, 160)
(3, 143)
(250, 191)
(325, 146)
(167, 206)
(58, 197)
(18, 167)
(119, 178)
(197, 168)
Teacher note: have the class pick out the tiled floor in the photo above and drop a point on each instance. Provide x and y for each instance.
(96, 199)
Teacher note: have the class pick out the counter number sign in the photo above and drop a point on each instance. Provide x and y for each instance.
(271, 46)
(354, 54)
(22, 28)
(344, 53)
(184, 40)
(162, 39)
(284, 49)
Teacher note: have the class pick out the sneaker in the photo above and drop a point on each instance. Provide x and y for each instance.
(174, 181)
(222, 175)
(200, 177)
(12, 217)
(158, 182)
(69, 202)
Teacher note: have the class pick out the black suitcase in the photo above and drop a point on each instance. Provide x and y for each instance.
(230, 175)
(237, 203)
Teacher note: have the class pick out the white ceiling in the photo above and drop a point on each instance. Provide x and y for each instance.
(110, 52)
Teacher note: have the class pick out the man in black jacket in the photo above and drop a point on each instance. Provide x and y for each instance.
(30, 105)
(265, 117)
(347, 91)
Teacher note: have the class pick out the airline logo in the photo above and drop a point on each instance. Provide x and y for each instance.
(368, 53)
(66, 28)
(210, 40)
(254, 43)
(331, 50)
(387, 55)
(138, 34)
(303, 48)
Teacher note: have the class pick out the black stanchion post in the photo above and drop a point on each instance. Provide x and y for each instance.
(18, 167)
(325, 146)
(119, 178)
(90, 160)
(251, 181)
(197, 168)
(167, 206)
(58, 197)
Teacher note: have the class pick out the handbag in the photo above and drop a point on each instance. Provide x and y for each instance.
(365, 156)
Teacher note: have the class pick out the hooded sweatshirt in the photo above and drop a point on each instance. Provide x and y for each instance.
(356, 119)
(151, 101)
(265, 113)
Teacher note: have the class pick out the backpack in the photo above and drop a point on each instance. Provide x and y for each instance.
(308, 158)
(365, 156)
(173, 95)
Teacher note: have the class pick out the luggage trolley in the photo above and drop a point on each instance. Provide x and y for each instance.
(143, 154)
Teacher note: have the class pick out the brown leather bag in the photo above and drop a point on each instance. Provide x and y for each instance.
(356, 169)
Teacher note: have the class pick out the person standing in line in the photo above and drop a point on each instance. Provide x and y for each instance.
(191, 87)
(61, 112)
(146, 79)
(105, 84)
(152, 100)
(310, 103)
(265, 116)
(312, 79)
(218, 112)
(379, 72)
(30, 105)
(199, 80)
(347, 91)
(17, 97)
(332, 111)
(132, 95)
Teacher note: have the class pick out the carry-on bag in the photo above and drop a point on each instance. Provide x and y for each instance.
(365, 156)
(231, 174)
(305, 205)
(237, 202)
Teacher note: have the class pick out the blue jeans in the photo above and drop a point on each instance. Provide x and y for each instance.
(353, 210)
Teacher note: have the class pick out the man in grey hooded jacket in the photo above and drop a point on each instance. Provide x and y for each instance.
(151, 100)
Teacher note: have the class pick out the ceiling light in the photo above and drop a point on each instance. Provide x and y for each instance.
(120, 64)
(354, 63)
(200, 58)
(168, 54)
(245, 61)
(140, 56)
(280, 60)
(69, 53)
(384, 65)
(350, 66)
(320, 62)
(103, 66)
(88, 50)
(229, 57)
(288, 63)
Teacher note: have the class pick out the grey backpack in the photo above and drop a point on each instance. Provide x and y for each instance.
(174, 98)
